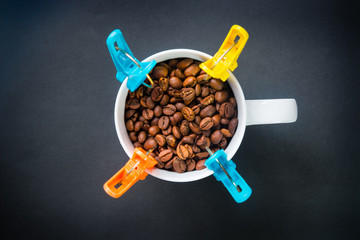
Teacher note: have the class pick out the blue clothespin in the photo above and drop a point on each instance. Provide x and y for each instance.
(224, 171)
(126, 64)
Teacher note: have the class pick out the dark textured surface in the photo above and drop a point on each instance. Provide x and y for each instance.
(58, 143)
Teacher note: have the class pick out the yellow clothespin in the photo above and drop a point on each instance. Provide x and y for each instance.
(226, 57)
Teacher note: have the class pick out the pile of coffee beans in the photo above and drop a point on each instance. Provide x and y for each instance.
(183, 113)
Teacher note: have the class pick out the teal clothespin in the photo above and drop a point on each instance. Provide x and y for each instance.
(224, 171)
(126, 64)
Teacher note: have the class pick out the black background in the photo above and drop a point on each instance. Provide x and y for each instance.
(58, 143)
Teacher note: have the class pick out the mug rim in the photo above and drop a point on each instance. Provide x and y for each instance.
(230, 150)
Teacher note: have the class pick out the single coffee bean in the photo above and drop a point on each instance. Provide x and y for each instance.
(216, 119)
(156, 94)
(158, 111)
(216, 137)
(182, 152)
(176, 132)
(188, 140)
(178, 117)
(154, 122)
(190, 165)
(133, 137)
(226, 133)
(137, 145)
(167, 131)
(197, 90)
(184, 63)
(232, 101)
(201, 141)
(129, 113)
(217, 84)
(179, 165)
(133, 103)
(169, 109)
(160, 71)
(150, 103)
(142, 136)
(232, 125)
(223, 143)
(174, 100)
(164, 100)
(179, 73)
(179, 106)
(206, 123)
(174, 92)
(175, 82)
(188, 114)
(208, 100)
(139, 92)
(205, 91)
(160, 139)
(184, 128)
(146, 126)
(189, 82)
(197, 120)
(202, 155)
(164, 83)
(188, 95)
(159, 164)
(172, 63)
(150, 143)
(165, 155)
(194, 128)
(208, 111)
(224, 121)
(164, 122)
(195, 149)
(191, 153)
(143, 102)
(200, 165)
(172, 121)
(203, 78)
(138, 126)
(171, 141)
(148, 114)
(196, 109)
(221, 96)
(169, 164)
(207, 133)
(192, 70)
(226, 110)
(129, 125)
(154, 130)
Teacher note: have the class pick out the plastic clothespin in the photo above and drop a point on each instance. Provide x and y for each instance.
(226, 57)
(126, 64)
(133, 171)
(224, 171)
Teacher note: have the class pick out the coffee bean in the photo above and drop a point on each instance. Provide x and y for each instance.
(221, 96)
(164, 100)
(232, 101)
(133, 103)
(197, 90)
(200, 165)
(226, 133)
(163, 122)
(188, 140)
(178, 117)
(176, 132)
(150, 143)
(188, 114)
(159, 164)
(146, 126)
(197, 120)
(216, 119)
(192, 70)
(165, 155)
(191, 153)
(129, 113)
(137, 145)
(182, 152)
(172, 63)
(129, 125)
(138, 126)
(179, 165)
(174, 100)
(217, 84)
(184, 128)
(148, 114)
(190, 165)
(195, 149)
(179, 73)
(184, 63)
(205, 91)
(169, 164)
(171, 141)
(189, 82)
(207, 133)
(202, 78)
(196, 109)
(179, 106)
(169, 109)
(156, 94)
(160, 139)
(142, 136)
(226, 110)
(224, 121)
(216, 137)
(208, 100)
(153, 130)
(159, 71)
(223, 143)
(188, 95)
(143, 102)
(164, 83)
(154, 122)
(206, 123)
(167, 131)
(172, 121)
(133, 137)
(232, 125)
(194, 128)
(158, 111)
(175, 82)
(208, 111)
(139, 92)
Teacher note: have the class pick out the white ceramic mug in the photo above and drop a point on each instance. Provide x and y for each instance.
(250, 112)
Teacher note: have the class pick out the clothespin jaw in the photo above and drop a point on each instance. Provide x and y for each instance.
(125, 62)
(225, 172)
(226, 57)
(133, 171)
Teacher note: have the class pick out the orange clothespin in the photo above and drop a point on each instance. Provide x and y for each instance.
(133, 171)
(226, 58)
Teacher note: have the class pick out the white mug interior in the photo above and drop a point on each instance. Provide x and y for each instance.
(233, 145)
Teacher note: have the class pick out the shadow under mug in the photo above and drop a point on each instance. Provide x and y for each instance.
(250, 112)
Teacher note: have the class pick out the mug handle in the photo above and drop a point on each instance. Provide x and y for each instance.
(271, 111)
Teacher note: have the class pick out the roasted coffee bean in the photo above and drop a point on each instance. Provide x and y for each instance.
(200, 165)
(197, 120)
(146, 127)
(207, 133)
(133, 103)
(178, 117)
(138, 126)
(175, 82)
(226, 133)
(208, 111)
(233, 101)
(205, 91)
(169, 164)
(217, 84)
(164, 83)
(208, 100)
(191, 153)
(190, 165)
(148, 114)
(184, 63)
(165, 155)
(174, 100)
(142, 136)
(217, 106)
(202, 155)
(159, 164)
(169, 109)
(167, 131)
(179, 165)
(150, 143)
(202, 78)
(223, 143)
(232, 125)
(164, 122)
(179, 73)
(174, 92)
(129, 125)
(154, 122)
(179, 106)
(216, 119)
(188, 95)
(196, 109)
(134, 117)
(189, 82)
(226, 110)
(194, 128)
(184, 128)
(164, 100)
(150, 103)
(153, 130)
(221, 96)
(182, 152)
(158, 111)
(172, 121)
(139, 92)
(171, 141)
(176, 132)
(160, 71)
(129, 113)
(216, 137)
(172, 63)
(195, 149)
(197, 90)
(224, 121)
(192, 70)
(188, 140)
(206, 123)
(201, 141)
(138, 145)
(156, 94)
(188, 114)
(133, 137)
(143, 102)
(160, 139)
